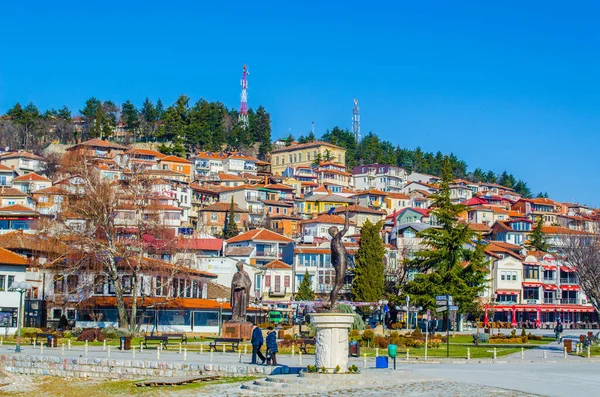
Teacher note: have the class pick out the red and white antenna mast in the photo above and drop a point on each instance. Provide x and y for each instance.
(243, 118)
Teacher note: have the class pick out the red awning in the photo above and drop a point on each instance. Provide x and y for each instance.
(545, 308)
(566, 269)
(551, 287)
(534, 285)
(549, 267)
(532, 263)
(569, 287)
(504, 292)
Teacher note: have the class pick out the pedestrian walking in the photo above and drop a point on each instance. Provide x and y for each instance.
(558, 330)
(272, 347)
(257, 342)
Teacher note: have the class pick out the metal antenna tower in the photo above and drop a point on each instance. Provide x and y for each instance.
(356, 121)
(243, 118)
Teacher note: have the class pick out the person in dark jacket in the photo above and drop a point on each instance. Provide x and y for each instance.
(272, 347)
(257, 342)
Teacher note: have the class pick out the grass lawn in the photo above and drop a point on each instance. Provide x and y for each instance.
(50, 386)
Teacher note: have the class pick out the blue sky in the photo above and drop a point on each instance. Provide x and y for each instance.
(512, 85)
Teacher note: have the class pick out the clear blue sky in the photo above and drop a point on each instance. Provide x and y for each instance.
(507, 86)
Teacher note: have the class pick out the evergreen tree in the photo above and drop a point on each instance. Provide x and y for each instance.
(522, 189)
(305, 292)
(448, 248)
(542, 195)
(129, 116)
(261, 129)
(538, 241)
(230, 230)
(369, 279)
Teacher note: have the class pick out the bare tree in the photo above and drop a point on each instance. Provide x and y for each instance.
(582, 251)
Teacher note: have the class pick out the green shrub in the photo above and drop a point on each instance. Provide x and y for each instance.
(67, 334)
(354, 335)
(523, 332)
(337, 369)
(115, 333)
(380, 342)
(287, 337)
(353, 369)
(368, 336)
(30, 332)
(394, 334)
(417, 333)
(513, 333)
(76, 331)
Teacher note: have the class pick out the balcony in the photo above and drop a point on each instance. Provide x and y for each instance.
(266, 253)
(549, 301)
(569, 281)
(530, 301)
(549, 280)
(253, 197)
(568, 301)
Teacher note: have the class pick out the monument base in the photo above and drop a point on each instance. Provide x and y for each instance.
(332, 340)
(237, 329)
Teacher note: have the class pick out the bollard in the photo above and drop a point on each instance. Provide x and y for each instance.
(522, 353)
(223, 349)
(589, 352)
(108, 352)
(122, 345)
(62, 349)
(299, 357)
(185, 354)
(158, 354)
(211, 352)
(494, 353)
(1, 341)
(544, 353)
(246, 350)
(179, 347)
(201, 346)
(565, 352)
(104, 345)
(86, 348)
(376, 352)
(364, 360)
(239, 356)
(468, 353)
(69, 344)
(141, 347)
(41, 348)
(407, 354)
(133, 351)
(292, 350)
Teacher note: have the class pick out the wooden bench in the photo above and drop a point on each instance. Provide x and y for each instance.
(163, 339)
(304, 343)
(235, 343)
(45, 336)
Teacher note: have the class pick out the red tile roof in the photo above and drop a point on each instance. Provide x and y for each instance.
(372, 192)
(11, 191)
(399, 196)
(325, 218)
(277, 264)
(31, 177)
(100, 143)
(175, 159)
(223, 207)
(358, 208)
(20, 154)
(10, 258)
(201, 244)
(278, 186)
(260, 235)
(305, 146)
(146, 152)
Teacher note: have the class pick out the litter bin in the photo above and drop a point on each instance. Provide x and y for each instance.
(354, 349)
(568, 345)
(381, 362)
(392, 349)
(125, 343)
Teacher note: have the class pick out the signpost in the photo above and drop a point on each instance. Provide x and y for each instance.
(444, 303)
(427, 330)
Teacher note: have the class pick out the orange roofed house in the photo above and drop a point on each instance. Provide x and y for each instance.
(177, 164)
(212, 218)
(266, 245)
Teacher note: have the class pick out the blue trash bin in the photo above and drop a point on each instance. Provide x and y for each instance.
(381, 362)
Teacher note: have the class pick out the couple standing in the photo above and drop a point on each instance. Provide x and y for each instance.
(257, 342)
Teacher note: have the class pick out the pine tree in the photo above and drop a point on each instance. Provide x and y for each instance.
(442, 264)
(305, 292)
(230, 230)
(369, 279)
(538, 241)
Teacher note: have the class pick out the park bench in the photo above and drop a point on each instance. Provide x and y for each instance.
(234, 342)
(304, 343)
(163, 339)
(44, 335)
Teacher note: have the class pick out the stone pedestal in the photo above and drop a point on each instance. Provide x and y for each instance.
(237, 329)
(332, 339)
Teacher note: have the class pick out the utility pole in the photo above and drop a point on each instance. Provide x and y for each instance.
(243, 117)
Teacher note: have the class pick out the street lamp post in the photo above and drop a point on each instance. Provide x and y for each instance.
(221, 301)
(21, 288)
(407, 311)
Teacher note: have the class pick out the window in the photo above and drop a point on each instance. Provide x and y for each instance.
(56, 314)
(72, 282)
(267, 281)
(300, 157)
(277, 283)
(59, 284)
(237, 218)
(43, 199)
(99, 285)
(2, 281)
(3, 180)
(532, 272)
(514, 276)
(286, 281)
(503, 276)
(276, 160)
(71, 314)
(214, 217)
(308, 156)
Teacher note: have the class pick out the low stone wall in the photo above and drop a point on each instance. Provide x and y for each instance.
(117, 369)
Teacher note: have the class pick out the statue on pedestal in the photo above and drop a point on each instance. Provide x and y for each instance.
(240, 293)
(339, 261)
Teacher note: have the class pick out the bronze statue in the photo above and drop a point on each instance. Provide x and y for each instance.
(339, 260)
(240, 293)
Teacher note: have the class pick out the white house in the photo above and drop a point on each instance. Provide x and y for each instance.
(13, 267)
